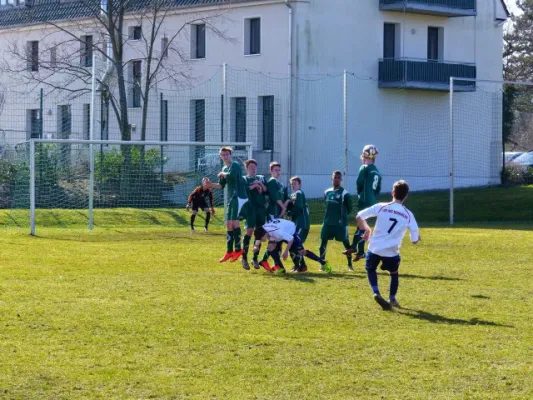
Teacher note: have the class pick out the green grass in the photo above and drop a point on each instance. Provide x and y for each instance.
(139, 308)
(148, 313)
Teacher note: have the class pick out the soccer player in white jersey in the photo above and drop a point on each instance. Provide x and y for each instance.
(393, 219)
(278, 231)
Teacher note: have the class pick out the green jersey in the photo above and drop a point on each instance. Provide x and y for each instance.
(234, 181)
(368, 186)
(299, 210)
(257, 200)
(276, 191)
(338, 207)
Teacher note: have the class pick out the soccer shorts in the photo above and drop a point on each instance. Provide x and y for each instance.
(234, 211)
(390, 264)
(302, 233)
(254, 216)
(339, 233)
(297, 243)
(199, 205)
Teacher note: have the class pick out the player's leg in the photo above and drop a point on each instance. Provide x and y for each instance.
(237, 216)
(207, 218)
(324, 238)
(303, 233)
(249, 225)
(372, 262)
(342, 236)
(230, 216)
(193, 217)
(392, 264)
(275, 252)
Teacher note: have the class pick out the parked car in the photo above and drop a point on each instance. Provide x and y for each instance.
(524, 160)
(511, 155)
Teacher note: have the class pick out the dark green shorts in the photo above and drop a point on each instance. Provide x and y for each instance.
(339, 233)
(235, 208)
(254, 217)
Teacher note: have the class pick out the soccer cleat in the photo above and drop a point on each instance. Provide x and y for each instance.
(350, 268)
(322, 269)
(205, 230)
(236, 255)
(266, 265)
(192, 230)
(256, 265)
(302, 269)
(382, 302)
(226, 257)
(327, 268)
(245, 264)
(394, 303)
(278, 270)
(358, 256)
(348, 251)
(294, 270)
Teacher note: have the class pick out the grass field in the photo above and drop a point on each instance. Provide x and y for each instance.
(138, 313)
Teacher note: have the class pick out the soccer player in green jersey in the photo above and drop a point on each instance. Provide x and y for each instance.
(368, 189)
(231, 176)
(255, 210)
(338, 208)
(298, 210)
(277, 194)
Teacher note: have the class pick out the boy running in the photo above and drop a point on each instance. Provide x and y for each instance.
(255, 210)
(282, 230)
(198, 200)
(231, 176)
(299, 213)
(393, 219)
(335, 225)
(368, 188)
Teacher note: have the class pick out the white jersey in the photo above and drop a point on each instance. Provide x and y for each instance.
(280, 229)
(392, 221)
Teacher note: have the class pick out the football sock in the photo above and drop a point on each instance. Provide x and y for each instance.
(277, 259)
(256, 255)
(314, 257)
(346, 244)
(394, 283)
(246, 245)
(229, 241)
(237, 238)
(358, 235)
(266, 255)
(323, 248)
(207, 218)
(373, 279)
(193, 217)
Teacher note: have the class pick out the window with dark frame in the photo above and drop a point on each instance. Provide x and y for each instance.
(34, 123)
(255, 36)
(433, 43)
(136, 82)
(87, 51)
(200, 41)
(199, 128)
(86, 121)
(164, 121)
(164, 47)
(268, 122)
(389, 41)
(136, 33)
(33, 55)
(240, 119)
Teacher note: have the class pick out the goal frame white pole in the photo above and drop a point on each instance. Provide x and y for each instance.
(451, 152)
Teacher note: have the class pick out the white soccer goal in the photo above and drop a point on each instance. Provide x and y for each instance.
(89, 174)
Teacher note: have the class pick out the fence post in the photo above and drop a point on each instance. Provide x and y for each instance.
(451, 152)
(91, 137)
(345, 126)
(32, 187)
(225, 116)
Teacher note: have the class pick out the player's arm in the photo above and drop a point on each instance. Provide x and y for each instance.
(348, 203)
(378, 188)
(287, 249)
(414, 232)
(361, 218)
(361, 179)
(216, 185)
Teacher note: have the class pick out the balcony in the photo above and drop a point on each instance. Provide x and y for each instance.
(443, 8)
(408, 73)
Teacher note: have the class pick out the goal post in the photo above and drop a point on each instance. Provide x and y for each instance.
(89, 174)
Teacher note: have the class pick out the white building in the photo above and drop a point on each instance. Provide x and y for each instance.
(399, 55)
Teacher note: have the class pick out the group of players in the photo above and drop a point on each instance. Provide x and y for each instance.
(263, 204)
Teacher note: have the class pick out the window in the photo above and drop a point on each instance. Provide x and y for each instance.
(252, 36)
(435, 44)
(53, 57)
(389, 41)
(164, 121)
(164, 47)
(240, 119)
(198, 41)
(64, 121)
(136, 74)
(32, 49)
(86, 121)
(33, 123)
(199, 120)
(135, 32)
(86, 51)
(268, 122)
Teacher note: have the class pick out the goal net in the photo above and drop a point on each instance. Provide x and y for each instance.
(90, 177)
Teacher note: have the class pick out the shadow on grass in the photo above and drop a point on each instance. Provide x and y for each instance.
(431, 278)
(175, 216)
(480, 296)
(440, 319)
(309, 277)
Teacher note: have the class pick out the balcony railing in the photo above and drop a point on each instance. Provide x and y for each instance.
(447, 8)
(426, 75)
